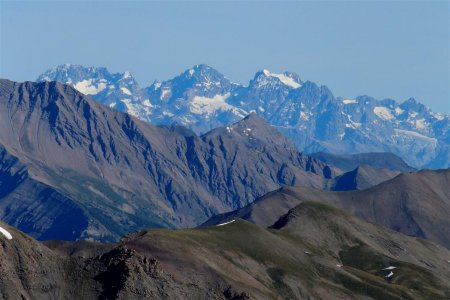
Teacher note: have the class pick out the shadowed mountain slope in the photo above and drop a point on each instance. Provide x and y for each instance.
(126, 174)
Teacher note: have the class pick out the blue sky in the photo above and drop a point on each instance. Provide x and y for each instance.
(383, 49)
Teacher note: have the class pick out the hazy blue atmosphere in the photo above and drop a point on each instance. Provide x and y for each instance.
(383, 49)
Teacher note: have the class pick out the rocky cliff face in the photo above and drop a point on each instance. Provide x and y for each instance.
(120, 173)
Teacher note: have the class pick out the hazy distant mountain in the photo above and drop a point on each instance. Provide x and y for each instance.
(360, 178)
(381, 160)
(120, 174)
(117, 90)
(313, 251)
(310, 115)
(416, 204)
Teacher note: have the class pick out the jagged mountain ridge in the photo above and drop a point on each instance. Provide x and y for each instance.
(310, 115)
(126, 174)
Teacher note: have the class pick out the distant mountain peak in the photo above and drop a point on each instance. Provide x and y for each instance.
(254, 118)
(411, 104)
(203, 67)
(289, 79)
(254, 130)
(309, 114)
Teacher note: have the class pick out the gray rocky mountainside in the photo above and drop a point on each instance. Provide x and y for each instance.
(314, 251)
(416, 204)
(201, 98)
(36, 207)
(71, 156)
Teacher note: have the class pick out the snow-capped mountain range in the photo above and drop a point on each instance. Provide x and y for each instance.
(201, 98)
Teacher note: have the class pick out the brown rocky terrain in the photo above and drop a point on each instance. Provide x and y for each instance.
(313, 251)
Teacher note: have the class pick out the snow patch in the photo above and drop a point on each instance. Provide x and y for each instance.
(383, 113)
(438, 116)
(125, 91)
(127, 74)
(6, 233)
(88, 88)
(156, 85)
(413, 114)
(421, 124)
(229, 222)
(284, 79)
(147, 103)
(204, 105)
(398, 111)
(416, 135)
(131, 109)
(247, 131)
(304, 116)
(166, 91)
(167, 113)
(349, 101)
(353, 124)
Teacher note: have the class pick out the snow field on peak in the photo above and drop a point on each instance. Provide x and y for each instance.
(284, 79)
(383, 113)
(204, 105)
(349, 101)
(88, 88)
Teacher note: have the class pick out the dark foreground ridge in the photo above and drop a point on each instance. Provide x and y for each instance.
(312, 251)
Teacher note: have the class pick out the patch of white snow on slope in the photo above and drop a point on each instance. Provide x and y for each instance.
(383, 113)
(88, 88)
(349, 101)
(125, 91)
(284, 79)
(221, 224)
(204, 105)
(6, 233)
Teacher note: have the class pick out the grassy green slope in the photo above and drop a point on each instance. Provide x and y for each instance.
(301, 256)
